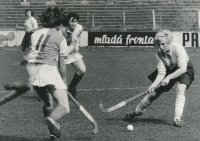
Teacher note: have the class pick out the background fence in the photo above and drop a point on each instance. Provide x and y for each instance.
(130, 20)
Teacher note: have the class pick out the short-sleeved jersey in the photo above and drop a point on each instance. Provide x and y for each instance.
(46, 45)
(30, 23)
(77, 31)
(74, 45)
(176, 58)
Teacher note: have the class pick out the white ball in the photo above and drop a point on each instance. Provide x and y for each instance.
(130, 127)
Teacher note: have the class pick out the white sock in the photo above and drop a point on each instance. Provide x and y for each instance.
(179, 105)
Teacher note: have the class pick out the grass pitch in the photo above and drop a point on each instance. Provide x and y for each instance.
(112, 76)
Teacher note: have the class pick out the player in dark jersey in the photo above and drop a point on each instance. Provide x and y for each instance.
(173, 68)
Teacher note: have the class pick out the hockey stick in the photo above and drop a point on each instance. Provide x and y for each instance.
(95, 130)
(123, 103)
(17, 89)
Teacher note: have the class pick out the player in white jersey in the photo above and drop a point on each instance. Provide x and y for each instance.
(72, 31)
(173, 67)
(47, 69)
(30, 25)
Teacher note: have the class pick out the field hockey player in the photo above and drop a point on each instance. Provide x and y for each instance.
(72, 31)
(47, 70)
(173, 67)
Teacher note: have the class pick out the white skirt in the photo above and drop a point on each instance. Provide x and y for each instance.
(44, 74)
(73, 57)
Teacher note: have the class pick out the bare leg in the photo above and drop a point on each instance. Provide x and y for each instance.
(144, 103)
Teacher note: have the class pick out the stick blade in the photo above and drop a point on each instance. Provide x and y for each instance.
(102, 108)
(83, 110)
(95, 130)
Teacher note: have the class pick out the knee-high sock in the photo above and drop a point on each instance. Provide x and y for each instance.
(179, 106)
(76, 79)
(144, 103)
(58, 112)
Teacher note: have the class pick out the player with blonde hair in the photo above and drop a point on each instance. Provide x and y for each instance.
(173, 67)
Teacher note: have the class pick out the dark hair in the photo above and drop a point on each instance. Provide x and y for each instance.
(52, 17)
(68, 17)
(29, 10)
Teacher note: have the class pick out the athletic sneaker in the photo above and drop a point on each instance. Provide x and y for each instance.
(131, 116)
(178, 123)
(52, 137)
(55, 127)
(72, 91)
(24, 62)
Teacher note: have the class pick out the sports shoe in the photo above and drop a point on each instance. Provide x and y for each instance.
(178, 123)
(54, 127)
(131, 116)
(24, 62)
(73, 92)
(52, 137)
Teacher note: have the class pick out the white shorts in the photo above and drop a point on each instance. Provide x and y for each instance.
(73, 57)
(44, 74)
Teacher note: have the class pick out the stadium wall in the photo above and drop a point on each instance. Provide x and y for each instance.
(116, 39)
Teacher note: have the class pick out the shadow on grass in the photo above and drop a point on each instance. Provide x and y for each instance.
(9, 138)
(141, 120)
(82, 138)
(149, 120)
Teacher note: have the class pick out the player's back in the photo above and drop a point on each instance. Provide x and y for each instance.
(45, 46)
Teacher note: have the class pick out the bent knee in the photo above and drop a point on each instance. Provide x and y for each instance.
(180, 89)
(48, 104)
(153, 96)
(67, 109)
(81, 71)
(48, 108)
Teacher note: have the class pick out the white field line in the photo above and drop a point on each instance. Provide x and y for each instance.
(134, 88)
(106, 89)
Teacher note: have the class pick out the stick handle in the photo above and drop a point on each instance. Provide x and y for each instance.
(123, 103)
(81, 108)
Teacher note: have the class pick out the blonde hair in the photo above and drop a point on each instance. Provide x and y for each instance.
(163, 33)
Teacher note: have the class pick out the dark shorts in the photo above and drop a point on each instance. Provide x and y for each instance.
(26, 40)
(186, 78)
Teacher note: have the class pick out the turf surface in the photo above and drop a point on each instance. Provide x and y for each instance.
(112, 76)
